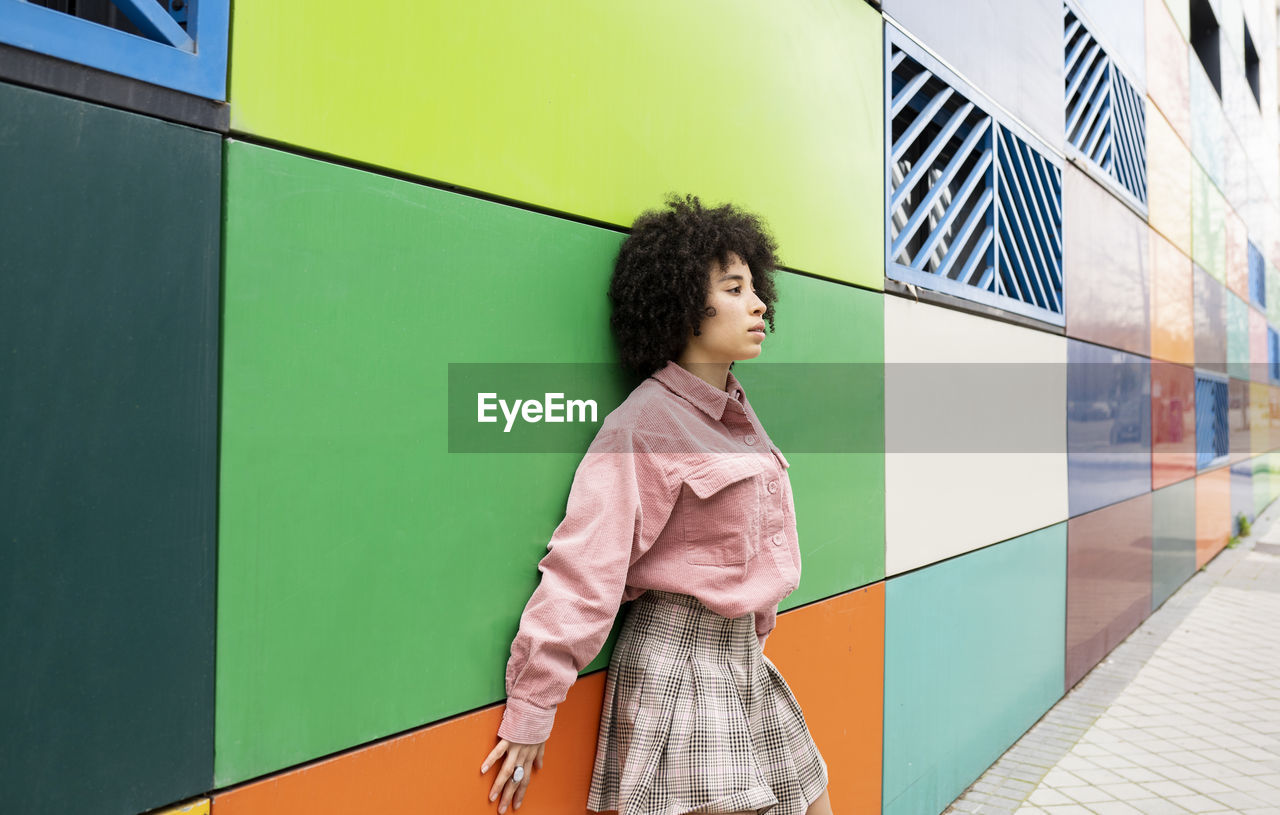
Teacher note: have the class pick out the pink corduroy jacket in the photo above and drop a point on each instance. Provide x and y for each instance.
(680, 491)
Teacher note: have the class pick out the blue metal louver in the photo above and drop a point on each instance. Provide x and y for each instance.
(1211, 420)
(973, 209)
(1273, 355)
(1257, 277)
(1105, 116)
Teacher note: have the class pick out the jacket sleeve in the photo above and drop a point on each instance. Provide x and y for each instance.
(765, 621)
(620, 501)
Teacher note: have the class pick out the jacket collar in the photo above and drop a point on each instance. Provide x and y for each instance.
(707, 398)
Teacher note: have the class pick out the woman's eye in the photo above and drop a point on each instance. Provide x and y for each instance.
(736, 289)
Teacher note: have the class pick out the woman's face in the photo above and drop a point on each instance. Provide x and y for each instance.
(737, 329)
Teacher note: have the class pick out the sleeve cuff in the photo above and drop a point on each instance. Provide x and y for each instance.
(526, 723)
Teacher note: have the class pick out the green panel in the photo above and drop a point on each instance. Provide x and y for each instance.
(1181, 11)
(1173, 539)
(839, 497)
(1208, 225)
(1261, 483)
(973, 656)
(594, 108)
(1274, 459)
(108, 429)
(355, 549)
(1237, 338)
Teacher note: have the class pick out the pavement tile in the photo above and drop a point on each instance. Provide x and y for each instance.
(1198, 803)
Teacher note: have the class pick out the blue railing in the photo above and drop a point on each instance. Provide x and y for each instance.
(1212, 439)
(972, 208)
(184, 48)
(1257, 277)
(1105, 117)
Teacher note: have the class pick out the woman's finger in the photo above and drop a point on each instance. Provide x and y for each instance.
(494, 755)
(499, 783)
(542, 748)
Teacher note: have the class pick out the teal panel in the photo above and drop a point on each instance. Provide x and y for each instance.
(1173, 539)
(355, 549)
(1207, 122)
(1261, 484)
(1208, 224)
(108, 434)
(974, 650)
(1237, 337)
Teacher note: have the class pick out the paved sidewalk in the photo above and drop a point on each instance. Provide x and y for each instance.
(1183, 716)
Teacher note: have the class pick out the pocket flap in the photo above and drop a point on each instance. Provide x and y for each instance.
(715, 477)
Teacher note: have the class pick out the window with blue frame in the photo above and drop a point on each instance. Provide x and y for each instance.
(973, 208)
(1212, 439)
(1257, 277)
(1105, 117)
(178, 44)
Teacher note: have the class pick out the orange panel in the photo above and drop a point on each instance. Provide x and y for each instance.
(1237, 254)
(1213, 514)
(831, 654)
(1172, 316)
(1168, 183)
(1168, 84)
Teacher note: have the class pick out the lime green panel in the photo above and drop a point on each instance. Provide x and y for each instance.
(832, 335)
(355, 550)
(593, 108)
(1208, 225)
(1261, 483)
(1273, 295)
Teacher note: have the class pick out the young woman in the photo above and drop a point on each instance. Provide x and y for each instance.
(682, 507)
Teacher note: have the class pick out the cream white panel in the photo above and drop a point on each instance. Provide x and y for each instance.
(975, 432)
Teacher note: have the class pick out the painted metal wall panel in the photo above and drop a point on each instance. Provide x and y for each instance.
(1173, 539)
(1238, 349)
(994, 618)
(1108, 581)
(1211, 322)
(1261, 492)
(1273, 414)
(1239, 420)
(1121, 29)
(1243, 489)
(984, 39)
(993, 465)
(1257, 346)
(1172, 311)
(1259, 417)
(841, 692)
(341, 439)
(1173, 423)
(1236, 253)
(1208, 224)
(1213, 513)
(1207, 122)
(1109, 454)
(108, 429)
(1167, 82)
(1169, 181)
(1105, 267)
(589, 107)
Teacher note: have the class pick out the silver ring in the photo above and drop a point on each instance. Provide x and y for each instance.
(518, 775)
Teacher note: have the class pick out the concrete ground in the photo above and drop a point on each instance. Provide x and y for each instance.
(1183, 716)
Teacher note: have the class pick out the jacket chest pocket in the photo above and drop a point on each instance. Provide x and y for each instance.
(722, 514)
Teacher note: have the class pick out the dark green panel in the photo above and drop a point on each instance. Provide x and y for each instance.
(108, 427)
(355, 549)
(1173, 539)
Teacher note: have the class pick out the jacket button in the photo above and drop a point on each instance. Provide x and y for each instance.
(777, 539)
(773, 486)
(749, 439)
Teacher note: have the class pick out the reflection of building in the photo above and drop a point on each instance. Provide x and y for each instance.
(229, 300)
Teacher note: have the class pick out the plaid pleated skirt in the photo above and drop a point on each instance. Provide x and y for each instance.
(697, 719)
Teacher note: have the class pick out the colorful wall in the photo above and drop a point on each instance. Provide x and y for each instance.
(245, 243)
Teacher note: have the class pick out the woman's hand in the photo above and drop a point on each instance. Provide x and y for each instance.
(528, 756)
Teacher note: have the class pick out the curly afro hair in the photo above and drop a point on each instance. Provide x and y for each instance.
(662, 277)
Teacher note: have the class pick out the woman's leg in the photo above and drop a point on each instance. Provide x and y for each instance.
(821, 806)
